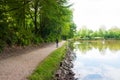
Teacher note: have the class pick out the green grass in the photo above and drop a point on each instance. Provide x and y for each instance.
(47, 67)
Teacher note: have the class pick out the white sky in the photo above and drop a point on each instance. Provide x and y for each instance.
(94, 13)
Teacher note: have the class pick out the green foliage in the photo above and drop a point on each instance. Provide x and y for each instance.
(2, 45)
(72, 30)
(113, 33)
(25, 22)
(24, 37)
(47, 68)
(37, 39)
(85, 33)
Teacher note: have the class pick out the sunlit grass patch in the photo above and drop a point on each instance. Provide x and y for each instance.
(47, 67)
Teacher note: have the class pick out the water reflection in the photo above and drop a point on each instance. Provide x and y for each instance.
(97, 61)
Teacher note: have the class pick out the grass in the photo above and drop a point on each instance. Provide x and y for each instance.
(47, 67)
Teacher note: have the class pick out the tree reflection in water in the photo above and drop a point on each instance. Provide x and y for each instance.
(96, 60)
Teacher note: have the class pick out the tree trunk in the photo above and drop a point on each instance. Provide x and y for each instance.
(35, 15)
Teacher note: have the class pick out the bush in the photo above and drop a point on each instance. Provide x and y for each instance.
(2, 45)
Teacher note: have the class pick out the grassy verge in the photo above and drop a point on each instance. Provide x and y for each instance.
(47, 67)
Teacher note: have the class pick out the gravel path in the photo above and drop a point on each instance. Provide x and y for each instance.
(19, 67)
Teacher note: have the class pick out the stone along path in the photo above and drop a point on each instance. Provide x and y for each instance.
(19, 67)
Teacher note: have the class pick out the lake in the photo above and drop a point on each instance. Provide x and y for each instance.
(97, 60)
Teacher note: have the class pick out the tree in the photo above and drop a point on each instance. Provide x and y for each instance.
(25, 22)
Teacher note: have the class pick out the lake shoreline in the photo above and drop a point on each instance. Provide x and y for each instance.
(65, 71)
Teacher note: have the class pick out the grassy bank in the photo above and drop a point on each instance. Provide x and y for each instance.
(47, 67)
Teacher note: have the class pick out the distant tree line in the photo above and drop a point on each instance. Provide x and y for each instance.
(24, 22)
(113, 33)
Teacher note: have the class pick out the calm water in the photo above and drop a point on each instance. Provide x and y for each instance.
(97, 60)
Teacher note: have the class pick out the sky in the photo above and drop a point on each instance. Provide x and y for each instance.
(96, 13)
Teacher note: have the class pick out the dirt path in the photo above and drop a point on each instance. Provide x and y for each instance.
(19, 67)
